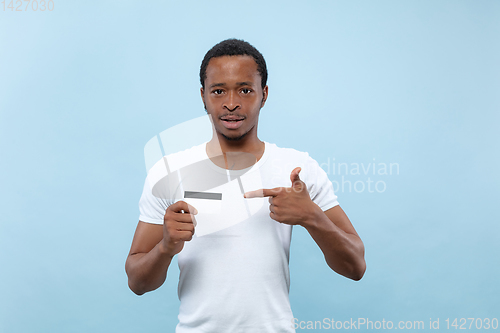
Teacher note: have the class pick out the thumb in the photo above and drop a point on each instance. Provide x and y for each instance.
(294, 176)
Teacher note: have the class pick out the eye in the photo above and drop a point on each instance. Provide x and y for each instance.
(217, 92)
(246, 91)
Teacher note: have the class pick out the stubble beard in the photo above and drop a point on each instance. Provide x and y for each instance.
(233, 138)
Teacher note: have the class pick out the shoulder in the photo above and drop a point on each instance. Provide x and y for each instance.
(282, 161)
(192, 154)
(178, 160)
(286, 153)
(290, 158)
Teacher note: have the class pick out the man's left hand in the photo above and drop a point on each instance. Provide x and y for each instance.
(289, 205)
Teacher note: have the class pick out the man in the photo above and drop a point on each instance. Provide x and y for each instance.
(234, 277)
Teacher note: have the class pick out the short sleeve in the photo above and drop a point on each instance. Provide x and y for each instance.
(151, 208)
(319, 186)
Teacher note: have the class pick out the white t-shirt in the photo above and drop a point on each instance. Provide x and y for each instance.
(234, 274)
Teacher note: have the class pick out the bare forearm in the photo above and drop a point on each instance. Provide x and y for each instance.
(344, 252)
(147, 271)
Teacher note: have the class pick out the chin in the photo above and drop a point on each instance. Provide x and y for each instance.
(234, 137)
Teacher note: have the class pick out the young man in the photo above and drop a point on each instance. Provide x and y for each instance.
(234, 264)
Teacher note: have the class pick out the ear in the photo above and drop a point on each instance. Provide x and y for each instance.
(202, 97)
(264, 97)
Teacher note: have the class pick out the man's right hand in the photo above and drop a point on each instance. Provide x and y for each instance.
(178, 227)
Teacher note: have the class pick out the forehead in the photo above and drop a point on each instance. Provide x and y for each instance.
(232, 68)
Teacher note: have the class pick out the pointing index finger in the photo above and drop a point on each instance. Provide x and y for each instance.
(266, 192)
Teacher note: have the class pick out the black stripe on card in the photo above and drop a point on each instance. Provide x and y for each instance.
(203, 195)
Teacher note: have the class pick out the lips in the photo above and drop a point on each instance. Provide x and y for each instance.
(232, 122)
(231, 118)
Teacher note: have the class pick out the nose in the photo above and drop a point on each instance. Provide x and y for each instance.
(232, 102)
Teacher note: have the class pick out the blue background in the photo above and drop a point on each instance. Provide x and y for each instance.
(83, 88)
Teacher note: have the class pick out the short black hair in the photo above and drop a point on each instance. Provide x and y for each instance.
(233, 47)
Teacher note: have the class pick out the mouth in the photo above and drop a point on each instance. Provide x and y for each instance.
(232, 122)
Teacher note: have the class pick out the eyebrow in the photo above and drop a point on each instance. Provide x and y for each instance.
(244, 83)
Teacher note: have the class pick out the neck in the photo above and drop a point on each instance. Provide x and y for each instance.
(250, 143)
(224, 152)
